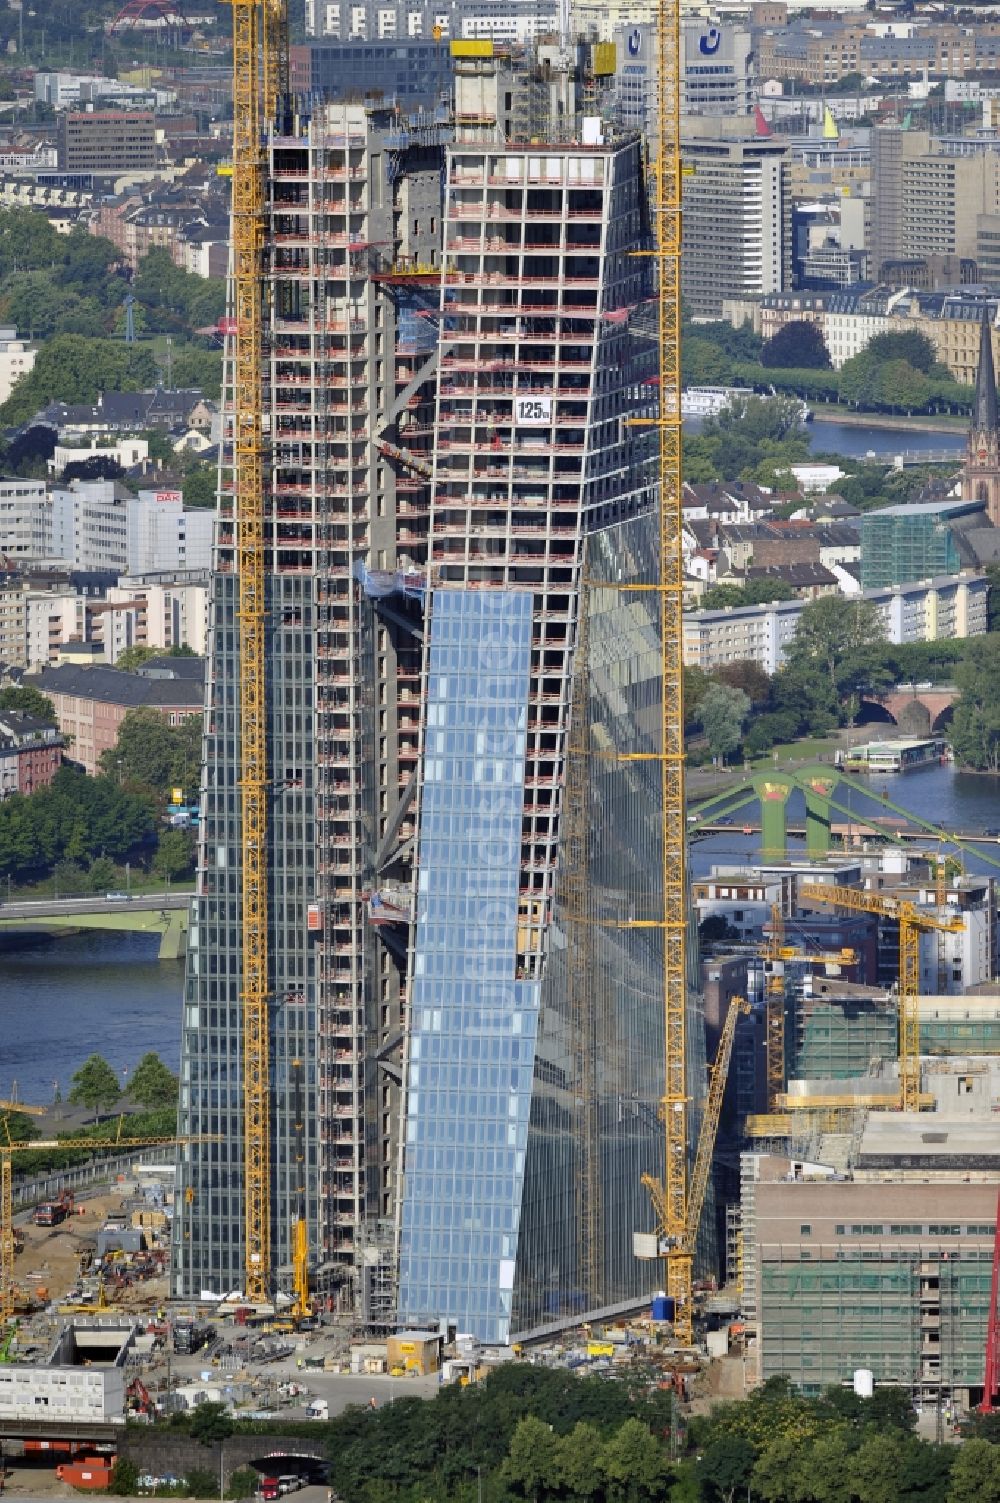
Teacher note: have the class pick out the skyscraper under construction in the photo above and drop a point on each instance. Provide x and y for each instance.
(463, 716)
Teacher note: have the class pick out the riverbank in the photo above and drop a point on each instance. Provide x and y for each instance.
(848, 417)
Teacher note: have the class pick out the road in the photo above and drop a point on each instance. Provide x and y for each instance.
(138, 902)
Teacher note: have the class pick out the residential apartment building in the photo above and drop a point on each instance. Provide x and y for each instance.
(91, 703)
(107, 142)
(823, 51)
(158, 610)
(927, 611)
(736, 213)
(31, 752)
(430, 503)
(17, 358)
(25, 525)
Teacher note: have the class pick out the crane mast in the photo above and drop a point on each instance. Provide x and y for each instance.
(667, 217)
(260, 50)
(912, 923)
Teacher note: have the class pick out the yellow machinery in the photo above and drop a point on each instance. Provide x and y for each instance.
(682, 1250)
(775, 1016)
(671, 1199)
(775, 953)
(300, 1232)
(92, 1145)
(912, 923)
(260, 78)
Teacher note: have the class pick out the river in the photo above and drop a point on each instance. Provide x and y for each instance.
(942, 795)
(828, 437)
(70, 997)
(95, 992)
(844, 438)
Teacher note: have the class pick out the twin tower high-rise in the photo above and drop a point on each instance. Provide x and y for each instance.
(457, 491)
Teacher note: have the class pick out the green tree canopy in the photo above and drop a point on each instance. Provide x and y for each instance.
(152, 1084)
(95, 1085)
(29, 699)
(723, 712)
(72, 368)
(799, 344)
(211, 1422)
(835, 634)
(175, 854)
(74, 819)
(759, 591)
(975, 726)
(906, 344)
(154, 753)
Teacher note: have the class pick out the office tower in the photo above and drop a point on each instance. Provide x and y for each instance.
(347, 401)
(737, 213)
(532, 1086)
(459, 961)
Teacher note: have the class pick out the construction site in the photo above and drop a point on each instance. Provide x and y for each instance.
(445, 1091)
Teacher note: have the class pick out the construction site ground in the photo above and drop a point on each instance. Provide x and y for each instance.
(51, 1257)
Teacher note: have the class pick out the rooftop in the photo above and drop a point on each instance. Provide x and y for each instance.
(113, 686)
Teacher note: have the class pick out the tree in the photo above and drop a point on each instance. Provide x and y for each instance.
(71, 368)
(907, 344)
(760, 591)
(152, 1084)
(211, 1422)
(29, 699)
(798, 345)
(722, 712)
(633, 1465)
(747, 675)
(199, 486)
(580, 1454)
(175, 854)
(534, 1462)
(95, 1085)
(975, 726)
(830, 631)
(97, 467)
(132, 658)
(154, 753)
(726, 1465)
(975, 1473)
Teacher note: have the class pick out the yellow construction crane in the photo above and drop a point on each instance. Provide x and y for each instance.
(912, 923)
(32, 1145)
(775, 952)
(671, 1199)
(260, 78)
(680, 1250)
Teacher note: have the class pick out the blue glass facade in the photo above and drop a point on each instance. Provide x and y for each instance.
(473, 1022)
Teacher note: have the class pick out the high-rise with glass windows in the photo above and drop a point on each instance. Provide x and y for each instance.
(461, 483)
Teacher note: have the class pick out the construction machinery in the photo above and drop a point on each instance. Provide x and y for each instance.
(260, 78)
(775, 953)
(991, 1373)
(301, 1306)
(671, 1198)
(912, 923)
(34, 1145)
(683, 1249)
